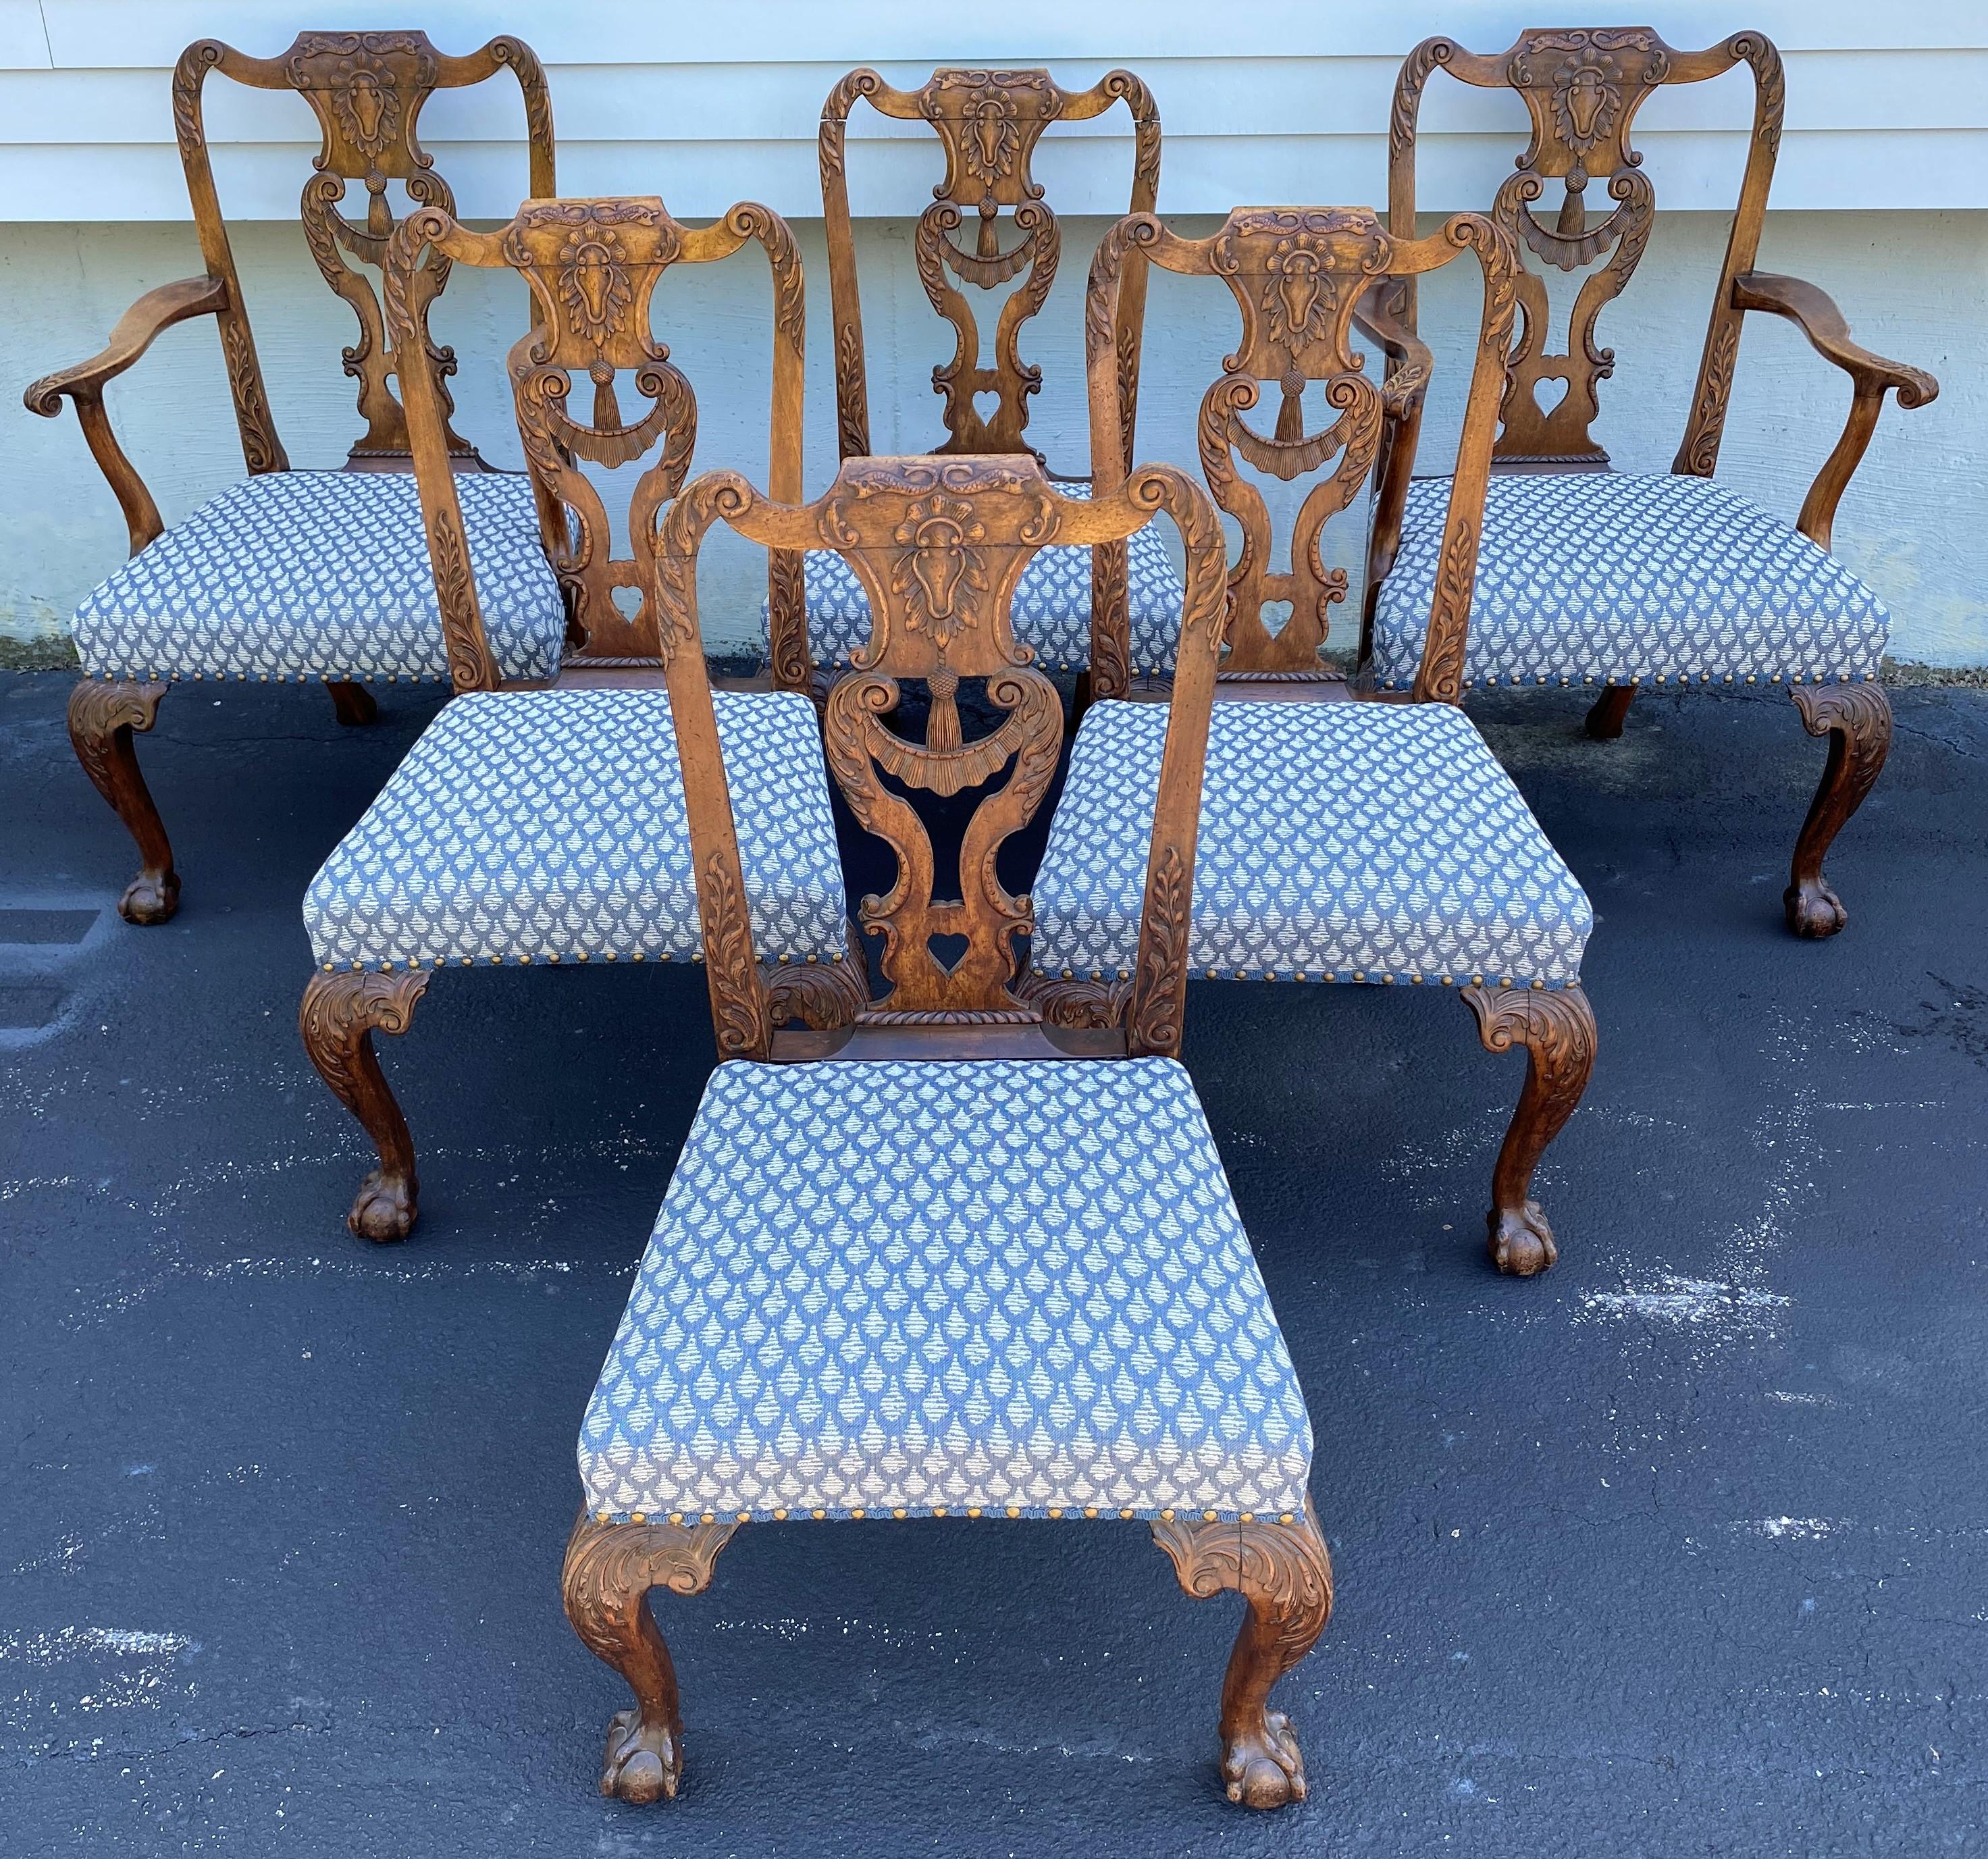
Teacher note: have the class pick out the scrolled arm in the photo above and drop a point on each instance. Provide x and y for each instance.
(1812, 311)
(138, 329)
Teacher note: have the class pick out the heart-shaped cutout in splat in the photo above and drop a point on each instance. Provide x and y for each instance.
(1547, 393)
(948, 950)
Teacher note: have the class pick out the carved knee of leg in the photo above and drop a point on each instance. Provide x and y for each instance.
(1556, 1028)
(338, 1016)
(1283, 1571)
(102, 716)
(1857, 719)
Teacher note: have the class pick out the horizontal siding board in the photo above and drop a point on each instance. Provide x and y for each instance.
(1876, 169)
(87, 32)
(1292, 96)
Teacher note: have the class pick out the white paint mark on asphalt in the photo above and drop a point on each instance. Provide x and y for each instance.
(1679, 1301)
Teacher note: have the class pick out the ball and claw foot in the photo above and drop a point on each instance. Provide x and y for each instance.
(1268, 1771)
(1814, 909)
(1522, 1242)
(151, 897)
(384, 1208)
(642, 1764)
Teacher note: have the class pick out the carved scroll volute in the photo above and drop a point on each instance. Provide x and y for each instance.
(1156, 1011)
(666, 560)
(1439, 677)
(472, 666)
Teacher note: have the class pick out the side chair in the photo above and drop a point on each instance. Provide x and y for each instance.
(541, 820)
(1591, 577)
(950, 1261)
(988, 124)
(298, 574)
(1376, 842)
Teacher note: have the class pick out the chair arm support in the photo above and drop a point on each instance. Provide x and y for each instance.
(1871, 377)
(1409, 378)
(1401, 398)
(1811, 310)
(137, 329)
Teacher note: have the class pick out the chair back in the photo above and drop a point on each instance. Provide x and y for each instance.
(592, 266)
(988, 123)
(1302, 278)
(367, 90)
(938, 544)
(1582, 88)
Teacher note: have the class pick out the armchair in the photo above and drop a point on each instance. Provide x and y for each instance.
(1586, 576)
(294, 574)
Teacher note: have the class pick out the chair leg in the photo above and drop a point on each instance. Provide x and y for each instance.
(352, 703)
(609, 1569)
(1556, 1028)
(1283, 1570)
(1604, 721)
(1857, 719)
(338, 1017)
(101, 718)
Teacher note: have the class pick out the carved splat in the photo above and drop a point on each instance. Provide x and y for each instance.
(939, 544)
(367, 90)
(1301, 278)
(592, 267)
(988, 123)
(1582, 88)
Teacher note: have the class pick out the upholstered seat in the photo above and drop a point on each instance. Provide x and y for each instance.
(549, 826)
(1052, 606)
(1338, 842)
(322, 575)
(1007, 1287)
(1601, 578)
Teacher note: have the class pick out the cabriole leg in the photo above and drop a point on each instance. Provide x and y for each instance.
(352, 703)
(338, 1017)
(1857, 719)
(1283, 1571)
(1556, 1028)
(102, 716)
(1604, 721)
(609, 1569)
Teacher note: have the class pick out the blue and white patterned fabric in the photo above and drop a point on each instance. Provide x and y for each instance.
(1338, 842)
(1597, 577)
(549, 826)
(1051, 610)
(888, 1289)
(323, 575)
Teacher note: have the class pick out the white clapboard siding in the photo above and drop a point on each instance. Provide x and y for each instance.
(1281, 100)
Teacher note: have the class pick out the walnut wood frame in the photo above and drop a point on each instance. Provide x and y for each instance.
(1304, 279)
(1582, 89)
(988, 123)
(367, 90)
(592, 266)
(939, 544)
